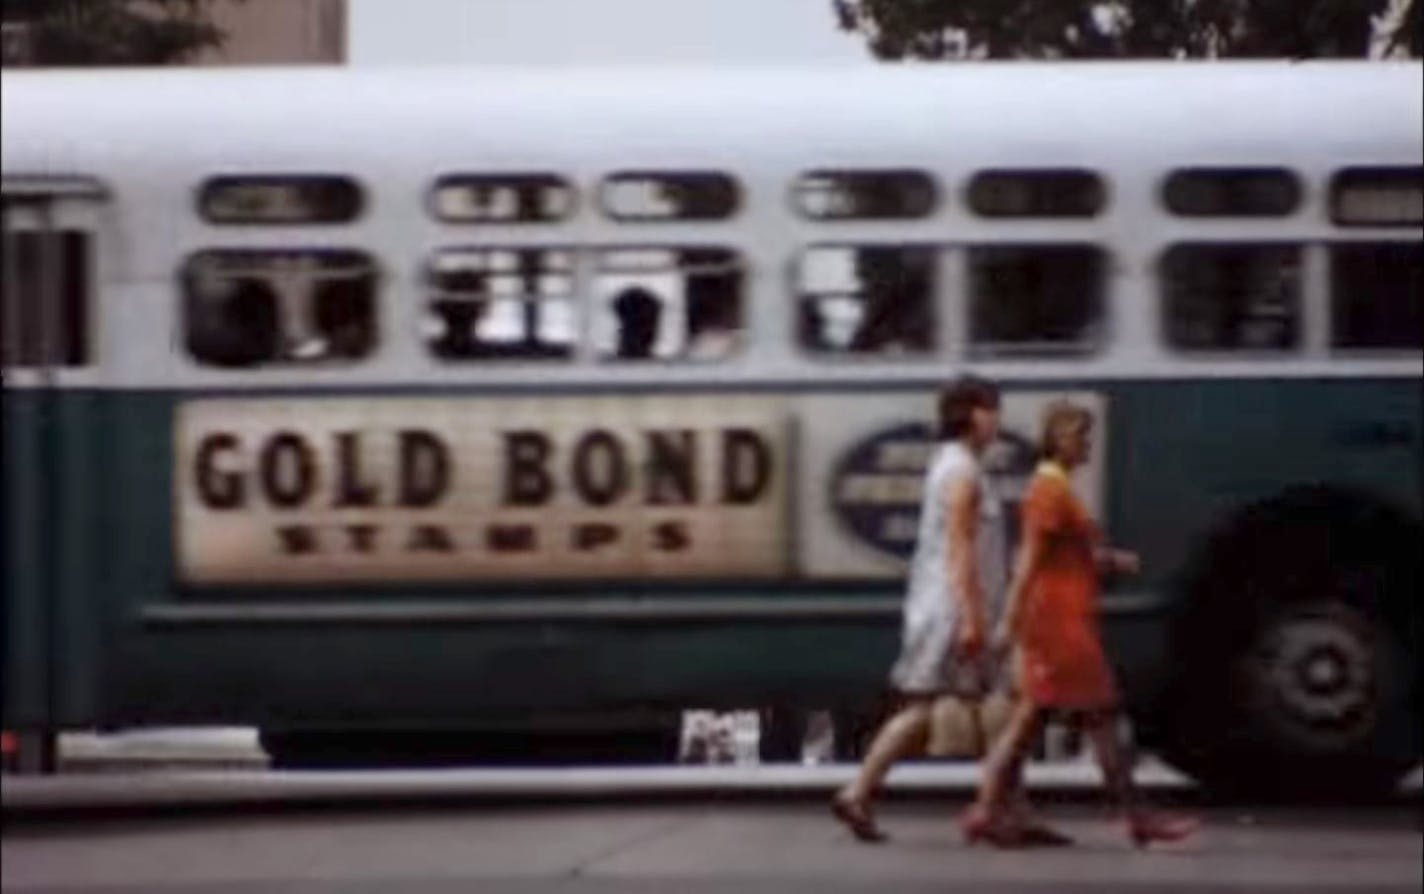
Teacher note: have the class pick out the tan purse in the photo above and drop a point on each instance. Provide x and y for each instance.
(960, 728)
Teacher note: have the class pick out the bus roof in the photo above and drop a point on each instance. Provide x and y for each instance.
(62, 121)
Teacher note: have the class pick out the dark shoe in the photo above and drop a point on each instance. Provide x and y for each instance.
(855, 815)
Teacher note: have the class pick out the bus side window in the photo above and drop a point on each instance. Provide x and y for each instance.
(502, 198)
(1060, 193)
(1231, 192)
(501, 303)
(864, 194)
(42, 266)
(1232, 296)
(681, 303)
(258, 307)
(270, 199)
(1035, 298)
(866, 299)
(1375, 294)
(682, 195)
(1378, 197)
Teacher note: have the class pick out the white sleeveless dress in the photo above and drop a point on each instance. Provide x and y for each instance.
(927, 665)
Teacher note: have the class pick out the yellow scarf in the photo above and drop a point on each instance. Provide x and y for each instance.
(1052, 470)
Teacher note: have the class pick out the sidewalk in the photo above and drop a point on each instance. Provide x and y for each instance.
(217, 766)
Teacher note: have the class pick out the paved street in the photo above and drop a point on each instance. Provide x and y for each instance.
(197, 812)
(690, 847)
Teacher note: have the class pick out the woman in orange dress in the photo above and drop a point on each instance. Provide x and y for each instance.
(1052, 616)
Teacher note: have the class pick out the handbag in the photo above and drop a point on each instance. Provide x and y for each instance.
(963, 728)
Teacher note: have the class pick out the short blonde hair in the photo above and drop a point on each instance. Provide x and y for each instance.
(1058, 415)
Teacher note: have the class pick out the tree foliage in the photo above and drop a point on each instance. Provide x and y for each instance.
(116, 32)
(1124, 29)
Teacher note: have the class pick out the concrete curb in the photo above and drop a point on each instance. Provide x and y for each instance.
(246, 787)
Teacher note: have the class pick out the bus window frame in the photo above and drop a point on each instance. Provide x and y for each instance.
(1346, 352)
(1337, 182)
(578, 306)
(593, 255)
(68, 328)
(609, 180)
(927, 178)
(209, 184)
(1297, 184)
(550, 178)
(1102, 182)
(1299, 349)
(379, 336)
(939, 341)
(1082, 351)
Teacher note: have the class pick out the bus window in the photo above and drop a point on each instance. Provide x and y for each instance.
(668, 304)
(1375, 294)
(257, 307)
(42, 266)
(864, 195)
(1232, 296)
(1378, 197)
(867, 299)
(1035, 298)
(493, 303)
(502, 198)
(280, 199)
(1231, 192)
(688, 195)
(1035, 193)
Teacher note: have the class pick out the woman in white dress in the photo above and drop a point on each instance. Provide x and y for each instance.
(955, 592)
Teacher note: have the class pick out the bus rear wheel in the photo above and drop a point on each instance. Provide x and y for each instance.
(1296, 662)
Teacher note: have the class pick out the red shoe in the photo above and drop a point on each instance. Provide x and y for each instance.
(979, 824)
(855, 815)
(1145, 828)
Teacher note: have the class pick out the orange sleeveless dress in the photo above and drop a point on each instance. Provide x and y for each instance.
(1061, 654)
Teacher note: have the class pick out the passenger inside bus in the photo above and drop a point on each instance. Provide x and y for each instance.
(639, 313)
(344, 313)
(896, 288)
(233, 322)
(713, 317)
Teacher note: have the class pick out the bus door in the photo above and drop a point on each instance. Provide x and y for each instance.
(46, 342)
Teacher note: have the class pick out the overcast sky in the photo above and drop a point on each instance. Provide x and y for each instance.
(564, 32)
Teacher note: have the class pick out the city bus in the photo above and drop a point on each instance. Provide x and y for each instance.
(462, 398)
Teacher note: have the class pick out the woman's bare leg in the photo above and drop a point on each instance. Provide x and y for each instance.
(1113, 759)
(902, 735)
(1116, 762)
(1003, 769)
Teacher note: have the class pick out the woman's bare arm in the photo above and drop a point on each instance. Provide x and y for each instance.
(962, 495)
(1029, 556)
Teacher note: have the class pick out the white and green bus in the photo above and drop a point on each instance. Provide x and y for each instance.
(377, 400)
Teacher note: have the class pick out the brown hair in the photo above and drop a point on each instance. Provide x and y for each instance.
(958, 402)
(1058, 414)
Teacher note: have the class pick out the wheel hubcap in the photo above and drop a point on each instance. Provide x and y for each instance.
(1313, 675)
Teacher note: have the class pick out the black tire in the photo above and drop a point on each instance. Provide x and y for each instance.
(1295, 653)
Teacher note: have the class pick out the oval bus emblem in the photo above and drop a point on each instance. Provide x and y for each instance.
(877, 484)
